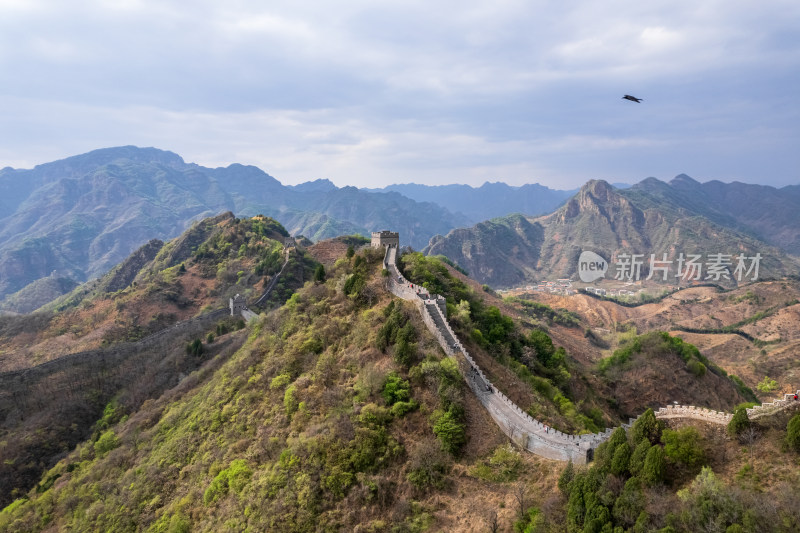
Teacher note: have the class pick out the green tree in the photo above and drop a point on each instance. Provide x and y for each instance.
(621, 459)
(565, 479)
(646, 427)
(638, 457)
(683, 447)
(395, 389)
(450, 431)
(793, 433)
(319, 274)
(630, 503)
(350, 251)
(739, 422)
(654, 466)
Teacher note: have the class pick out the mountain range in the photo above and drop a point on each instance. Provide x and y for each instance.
(77, 217)
(651, 217)
(490, 200)
(64, 222)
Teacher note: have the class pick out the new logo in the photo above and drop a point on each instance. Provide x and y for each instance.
(591, 267)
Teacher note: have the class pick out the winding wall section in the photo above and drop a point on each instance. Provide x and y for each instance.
(519, 426)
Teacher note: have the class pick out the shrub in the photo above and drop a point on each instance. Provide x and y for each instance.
(503, 466)
(428, 465)
(767, 385)
(374, 416)
(400, 409)
(450, 431)
(195, 348)
(234, 478)
(290, 401)
(395, 389)
(280, 381)
(697, 368)
(319, 274)
(107, 442)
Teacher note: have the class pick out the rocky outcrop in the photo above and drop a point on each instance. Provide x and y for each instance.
(124, 273)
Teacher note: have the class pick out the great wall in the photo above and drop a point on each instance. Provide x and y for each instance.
(524, 430)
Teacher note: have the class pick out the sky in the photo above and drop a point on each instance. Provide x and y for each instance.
(369, 93)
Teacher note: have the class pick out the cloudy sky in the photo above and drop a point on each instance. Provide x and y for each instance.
(369, 93)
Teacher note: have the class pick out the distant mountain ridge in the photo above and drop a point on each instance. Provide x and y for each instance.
(512, 250)
(766, 212)
(77, 217)
(490, 200)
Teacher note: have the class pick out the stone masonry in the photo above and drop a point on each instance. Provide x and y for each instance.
(519, 426)
(385, 238)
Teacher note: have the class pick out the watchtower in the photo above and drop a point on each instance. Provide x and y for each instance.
(237, 303)
(385, 238)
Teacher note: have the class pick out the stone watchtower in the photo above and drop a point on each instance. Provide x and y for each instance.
(237, 303)
(385, 238)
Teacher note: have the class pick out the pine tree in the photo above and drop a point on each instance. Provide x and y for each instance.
(739, 422)
(646, 427)
(621, 459)
(319, 274)
(793, 433)
(565, 479)
(654, 466)
(638, 457)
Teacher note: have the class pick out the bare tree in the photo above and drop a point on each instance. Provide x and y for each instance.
(748, 437)
(520, 493)
(492, 521)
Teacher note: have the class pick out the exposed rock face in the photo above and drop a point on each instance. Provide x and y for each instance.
(125, 272)
(502, 252)
(606, 221)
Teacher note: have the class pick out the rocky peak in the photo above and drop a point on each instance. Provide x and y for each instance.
(596, 196)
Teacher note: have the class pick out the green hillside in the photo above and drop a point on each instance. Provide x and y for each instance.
(338, 411)
(123, 337)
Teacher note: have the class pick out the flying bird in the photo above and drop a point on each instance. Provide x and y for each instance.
(632, 98)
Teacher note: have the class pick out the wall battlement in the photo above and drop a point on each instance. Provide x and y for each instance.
(517, 424)
(385, 238)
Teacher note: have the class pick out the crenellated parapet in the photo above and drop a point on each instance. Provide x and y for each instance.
(769, 408)
(524, 430)
(696, 413)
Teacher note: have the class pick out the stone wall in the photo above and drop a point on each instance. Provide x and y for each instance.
(513, 421)
(773, 407)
